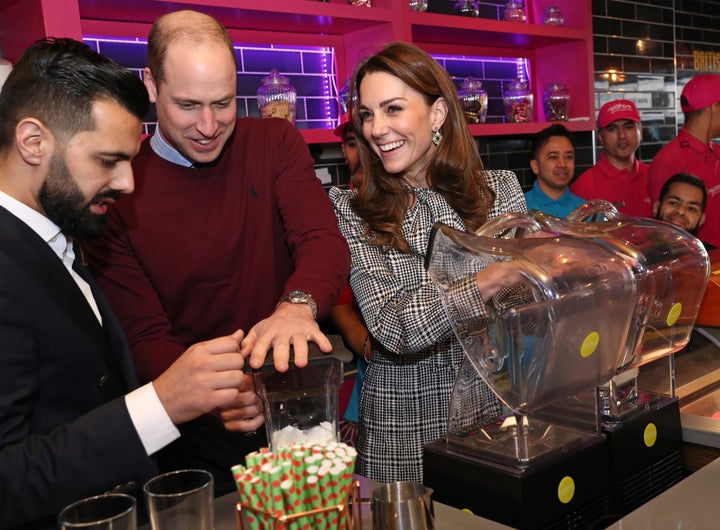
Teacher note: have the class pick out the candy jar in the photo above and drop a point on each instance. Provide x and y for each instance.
(277, 97)
(418, 5)
(473, 99)
(466, 8)
(518, 101)
(556, 102)
(344, 96)
(514, 11)
(552, 16)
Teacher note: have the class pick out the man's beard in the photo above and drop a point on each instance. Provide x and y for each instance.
(64, 203)
(693, 231)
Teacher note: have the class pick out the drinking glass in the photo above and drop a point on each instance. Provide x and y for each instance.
(181, 500)
(111, 511)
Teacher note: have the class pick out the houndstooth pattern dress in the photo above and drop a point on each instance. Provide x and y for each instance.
(415, 355)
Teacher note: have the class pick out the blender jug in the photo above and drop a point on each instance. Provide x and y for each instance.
(671, 269)
(562, 330)
(300, 405)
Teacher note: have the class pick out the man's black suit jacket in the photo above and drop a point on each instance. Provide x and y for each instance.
(65, 431)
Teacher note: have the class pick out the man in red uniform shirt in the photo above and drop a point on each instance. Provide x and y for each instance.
(692, 150)
(618, 177)
(229, 228)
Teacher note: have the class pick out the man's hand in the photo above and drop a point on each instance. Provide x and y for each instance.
(208, 376)
(245, 414)
(290, 324)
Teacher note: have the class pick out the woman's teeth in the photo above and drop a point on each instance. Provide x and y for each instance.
(389, 147)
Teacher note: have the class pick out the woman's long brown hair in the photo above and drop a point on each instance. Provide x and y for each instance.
(455, 170)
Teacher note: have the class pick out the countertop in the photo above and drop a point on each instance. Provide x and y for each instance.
(690, 504)
(446, 517)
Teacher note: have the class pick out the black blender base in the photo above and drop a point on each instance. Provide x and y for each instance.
(645, 455)
(567, 491)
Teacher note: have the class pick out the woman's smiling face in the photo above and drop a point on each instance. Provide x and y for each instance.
(398, 124)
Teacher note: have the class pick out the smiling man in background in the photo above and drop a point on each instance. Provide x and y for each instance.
(682, 202)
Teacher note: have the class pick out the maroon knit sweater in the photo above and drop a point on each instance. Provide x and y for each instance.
(195, 253)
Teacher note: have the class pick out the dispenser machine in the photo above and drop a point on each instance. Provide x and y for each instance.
(600, 296)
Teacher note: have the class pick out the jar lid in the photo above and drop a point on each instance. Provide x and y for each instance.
(517, 84)
(556, 86)
(552, 9)
(274, 78)
(472, 82)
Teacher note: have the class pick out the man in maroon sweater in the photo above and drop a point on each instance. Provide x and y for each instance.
(228, 228)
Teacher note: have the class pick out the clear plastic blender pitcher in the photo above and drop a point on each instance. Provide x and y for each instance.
(301, 404)
(561, 331)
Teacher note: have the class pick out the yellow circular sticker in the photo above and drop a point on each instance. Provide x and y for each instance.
(590, 344)
(674, 313)
(566, 490)
(650, 435)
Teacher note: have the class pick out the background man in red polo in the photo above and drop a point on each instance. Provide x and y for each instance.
(618, 177)
(692, 150)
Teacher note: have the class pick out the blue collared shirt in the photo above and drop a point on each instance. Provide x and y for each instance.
(166, 151)
(537, 199)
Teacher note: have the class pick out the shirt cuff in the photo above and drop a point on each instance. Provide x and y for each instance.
(150, 419)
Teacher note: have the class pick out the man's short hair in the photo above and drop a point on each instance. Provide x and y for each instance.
(541, 138)
(57, 81)
(687, 178)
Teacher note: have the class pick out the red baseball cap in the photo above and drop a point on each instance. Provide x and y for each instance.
(340, 129)
(619, 109)
(701, 91)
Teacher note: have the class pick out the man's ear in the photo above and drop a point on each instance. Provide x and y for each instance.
(150, 85)
(656, 208)
(534, 166)
(34, 141)
(701, 221)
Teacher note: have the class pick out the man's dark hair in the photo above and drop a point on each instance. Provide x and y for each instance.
(57, 80)
(687, 178)
(541, 138)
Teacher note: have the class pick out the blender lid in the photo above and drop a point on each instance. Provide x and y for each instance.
(339, 352)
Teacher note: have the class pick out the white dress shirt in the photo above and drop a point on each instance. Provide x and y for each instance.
(149, 417)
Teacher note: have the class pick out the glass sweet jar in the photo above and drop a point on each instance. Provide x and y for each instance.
(514, 11)
(518, 102)
(418, 5)
(552, 16)
(556, 102)
(466, 8)
(473, 99)
(277, 97)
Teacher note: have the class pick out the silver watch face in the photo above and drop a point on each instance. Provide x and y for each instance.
(299, 297)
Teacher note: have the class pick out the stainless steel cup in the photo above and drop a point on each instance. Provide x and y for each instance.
(402, 506)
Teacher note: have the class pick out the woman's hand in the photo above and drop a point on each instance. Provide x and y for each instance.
(496, 276)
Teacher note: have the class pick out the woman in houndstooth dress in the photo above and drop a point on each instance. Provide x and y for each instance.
(421, 167)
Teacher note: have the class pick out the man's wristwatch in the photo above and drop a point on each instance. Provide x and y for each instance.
(300, 297)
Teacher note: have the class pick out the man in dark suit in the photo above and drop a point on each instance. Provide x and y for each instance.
(72, 421)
